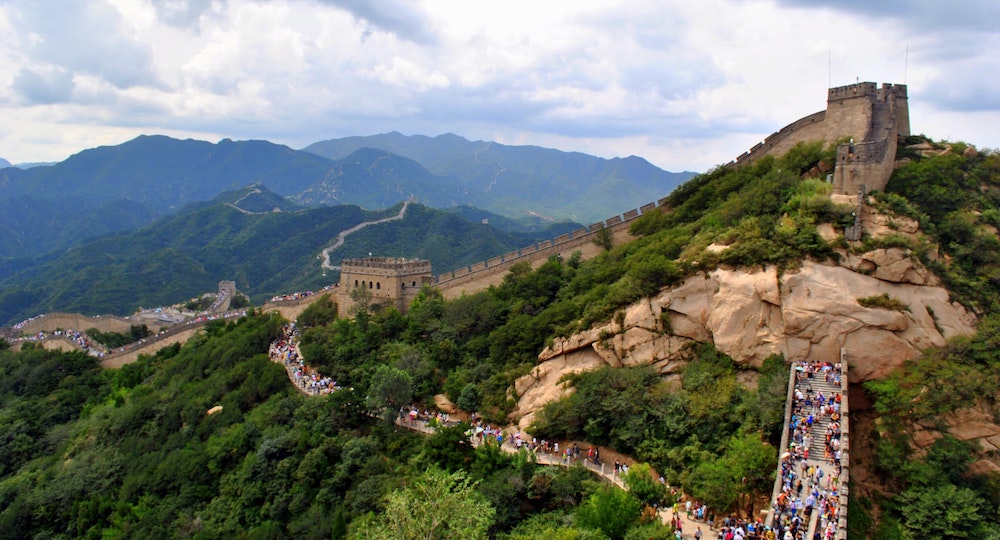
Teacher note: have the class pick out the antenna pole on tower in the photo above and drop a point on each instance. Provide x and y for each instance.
(829, 68)
(906, 62)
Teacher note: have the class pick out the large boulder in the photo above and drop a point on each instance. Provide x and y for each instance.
(812, 312)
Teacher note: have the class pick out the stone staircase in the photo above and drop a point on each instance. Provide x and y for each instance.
(817, 448)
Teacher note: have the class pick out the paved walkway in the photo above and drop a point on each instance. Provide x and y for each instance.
(285, 351)
(809, 484)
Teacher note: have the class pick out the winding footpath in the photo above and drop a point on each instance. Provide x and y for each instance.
(285, 351)
(325, 254)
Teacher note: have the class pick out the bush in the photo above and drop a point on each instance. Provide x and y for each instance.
(883, 301)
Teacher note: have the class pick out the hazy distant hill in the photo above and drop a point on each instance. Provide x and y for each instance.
(32, 226)
(377, 179)
(166, 173)
(188, 253)
(4, 163)
(112, 189)
(525, 180)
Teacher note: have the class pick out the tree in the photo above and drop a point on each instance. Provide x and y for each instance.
(319, 313)
(609, 510)
(944, 511)
(603, 238)
(437, 506)
(390, 388)
(362, 298)
(641, 483)
(746, 468)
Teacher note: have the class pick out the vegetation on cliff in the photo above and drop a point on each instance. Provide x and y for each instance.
(929, 488)
(133, 452)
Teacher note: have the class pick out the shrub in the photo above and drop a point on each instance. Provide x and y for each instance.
(883, 301)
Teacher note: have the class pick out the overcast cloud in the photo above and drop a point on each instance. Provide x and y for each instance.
(687, 85)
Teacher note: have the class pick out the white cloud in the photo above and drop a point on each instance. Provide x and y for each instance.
(686, 85)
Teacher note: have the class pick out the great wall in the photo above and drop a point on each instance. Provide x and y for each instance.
(865, 121)
(870, 118)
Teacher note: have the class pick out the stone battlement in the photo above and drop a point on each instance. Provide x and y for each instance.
(386, 266)
(851, 91)
(872, 117)
(388, 280)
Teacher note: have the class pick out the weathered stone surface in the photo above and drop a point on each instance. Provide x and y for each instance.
(812, 312)
(973, 424)
(543, 384)
(826, 232)
(896, 265)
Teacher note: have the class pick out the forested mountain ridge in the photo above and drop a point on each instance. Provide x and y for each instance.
(134, 452)
(113, 189)
(577, 186)
(239, 237)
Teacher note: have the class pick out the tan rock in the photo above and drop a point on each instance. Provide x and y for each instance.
(810, 313)
(827, 232)
(973, 423)
(545, 384)
(923, 438)
(898, 266)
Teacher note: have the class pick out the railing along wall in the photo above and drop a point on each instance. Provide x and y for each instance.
(845, 449)
(789, 398)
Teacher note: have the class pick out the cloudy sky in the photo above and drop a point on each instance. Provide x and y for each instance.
(687, 85)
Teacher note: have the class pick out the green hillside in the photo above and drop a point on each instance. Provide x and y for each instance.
(186, 254)
(32, 226)
(132, 453)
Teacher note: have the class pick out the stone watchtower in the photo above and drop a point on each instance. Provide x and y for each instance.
(389, 280)
(872, 118)
(875, 118)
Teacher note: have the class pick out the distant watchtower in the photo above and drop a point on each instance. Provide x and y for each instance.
(389, 280)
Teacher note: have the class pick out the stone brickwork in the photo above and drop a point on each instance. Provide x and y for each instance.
(388, 280)
(873, 118)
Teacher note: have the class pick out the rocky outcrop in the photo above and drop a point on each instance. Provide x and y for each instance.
(809, 313)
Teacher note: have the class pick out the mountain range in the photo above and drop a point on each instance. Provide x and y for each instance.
(263, 242)
(113, 189)
(495, 176)
(157, 219)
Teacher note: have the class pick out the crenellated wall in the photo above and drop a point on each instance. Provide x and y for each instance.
(473, 278)
(390, 280)
(873, 118)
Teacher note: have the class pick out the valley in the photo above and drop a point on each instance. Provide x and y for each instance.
(670, 334)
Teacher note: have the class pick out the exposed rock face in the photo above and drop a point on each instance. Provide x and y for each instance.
(809, 313)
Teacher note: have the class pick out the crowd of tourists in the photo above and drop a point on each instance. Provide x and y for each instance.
(77, 337)
(299, 295)
(286, 352)
(805, 486)
(722, 528)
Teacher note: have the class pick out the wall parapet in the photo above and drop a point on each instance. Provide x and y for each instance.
(762, 148)
(851, 91)
(546, 248)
